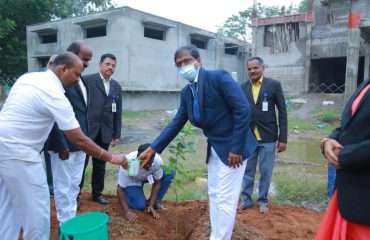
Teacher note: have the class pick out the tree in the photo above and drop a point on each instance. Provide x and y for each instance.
(238, 26)
(6, 26)
(68, 8)
(305, 6)
(20, 13)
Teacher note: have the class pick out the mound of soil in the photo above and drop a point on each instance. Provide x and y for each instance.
(192, 221)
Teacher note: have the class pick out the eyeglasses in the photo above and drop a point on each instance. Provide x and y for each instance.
(184, 62)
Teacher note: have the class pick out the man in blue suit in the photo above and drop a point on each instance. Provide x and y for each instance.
(214, 102)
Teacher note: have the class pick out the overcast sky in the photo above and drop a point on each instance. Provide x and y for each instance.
(204, 14)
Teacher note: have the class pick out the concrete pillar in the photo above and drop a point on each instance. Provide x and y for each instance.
(254, 41)
(307, 58)
(367, 61)
(353, 55)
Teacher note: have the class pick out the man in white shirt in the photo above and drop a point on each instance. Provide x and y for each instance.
(35, 102)
(130, 188)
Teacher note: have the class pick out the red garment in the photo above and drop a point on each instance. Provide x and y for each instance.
(358, 100)
(335, 227)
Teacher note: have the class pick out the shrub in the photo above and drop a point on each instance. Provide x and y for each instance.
(329, 117)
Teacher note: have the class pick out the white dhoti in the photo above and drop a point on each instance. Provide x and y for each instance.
(24, 200)
(224, 185)
(67, 175)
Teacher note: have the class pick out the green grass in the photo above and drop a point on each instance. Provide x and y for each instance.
(327, 114)
(300, 189)
(299, 124)
(138, 115)
(110, 180)
(193, 186)
(320, 124)
(337, 110)
(303, 152)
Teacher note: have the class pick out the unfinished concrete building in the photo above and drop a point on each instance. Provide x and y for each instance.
(144, 45)
(282, 43)
(320, 51)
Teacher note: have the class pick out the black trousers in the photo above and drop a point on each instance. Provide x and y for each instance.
(98, 170)
(49, 174)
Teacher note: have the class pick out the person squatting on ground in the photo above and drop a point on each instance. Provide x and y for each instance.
(67, 159)
(34, 103)
(130, 189)
(264, 94)
(105, 119)
(214, 102)
(347, 149)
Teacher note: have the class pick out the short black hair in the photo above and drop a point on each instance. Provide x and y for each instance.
(67, 59)
(193, 50)
(142, 148)
(107, 55)
(260, 60)
(75, 47)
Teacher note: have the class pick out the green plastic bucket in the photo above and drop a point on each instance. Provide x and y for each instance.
(87, 226)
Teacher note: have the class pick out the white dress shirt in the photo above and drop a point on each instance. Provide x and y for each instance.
(83, 89)
(34, 103)
(106, 83)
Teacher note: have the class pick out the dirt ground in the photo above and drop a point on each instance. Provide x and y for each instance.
(282, 222)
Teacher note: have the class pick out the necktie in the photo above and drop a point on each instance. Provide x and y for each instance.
(196, 112)
(357, 100)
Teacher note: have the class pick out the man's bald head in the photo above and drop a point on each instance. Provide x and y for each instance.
(68, 59)
(82, 50)
(68, 67)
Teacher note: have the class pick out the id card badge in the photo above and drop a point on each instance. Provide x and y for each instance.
(150, 179)
(265, 106)
(114, 105)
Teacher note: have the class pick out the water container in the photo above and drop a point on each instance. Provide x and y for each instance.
(87, 226)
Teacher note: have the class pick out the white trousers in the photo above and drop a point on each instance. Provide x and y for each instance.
(224, 185)
(24, 200)
(67, 175)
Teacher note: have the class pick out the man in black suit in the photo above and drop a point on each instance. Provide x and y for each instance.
(105, 116)
(67, 160)
(264, 94)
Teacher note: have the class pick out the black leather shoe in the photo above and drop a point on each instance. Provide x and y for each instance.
(101, 199)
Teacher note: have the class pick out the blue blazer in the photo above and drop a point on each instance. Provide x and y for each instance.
(225, 116)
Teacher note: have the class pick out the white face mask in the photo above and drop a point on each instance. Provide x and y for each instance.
(188, 72)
